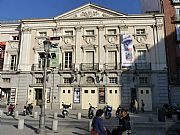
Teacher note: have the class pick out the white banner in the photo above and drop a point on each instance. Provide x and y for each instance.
(127, 53)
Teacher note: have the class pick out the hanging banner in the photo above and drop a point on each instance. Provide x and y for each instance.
(76, 98)
(127, 50)
(54, 62)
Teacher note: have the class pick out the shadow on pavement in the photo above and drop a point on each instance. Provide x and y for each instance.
(31, 127)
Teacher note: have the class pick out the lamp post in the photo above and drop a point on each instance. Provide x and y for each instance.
(41, 130)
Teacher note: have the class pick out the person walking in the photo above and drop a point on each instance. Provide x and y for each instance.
(98, 124)
(136, 106)
(142, 105)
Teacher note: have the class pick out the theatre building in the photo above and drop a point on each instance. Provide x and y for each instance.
(98, 56)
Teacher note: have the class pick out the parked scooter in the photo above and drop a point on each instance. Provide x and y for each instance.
(107, 111)
(28, 109)
(65, 111)
(118, 110)
(91, 111)
(11, 109)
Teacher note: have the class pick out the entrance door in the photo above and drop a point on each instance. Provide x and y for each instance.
(38, 96)
(113, 97)
(89, 95)
(66, 96)
(144, 94)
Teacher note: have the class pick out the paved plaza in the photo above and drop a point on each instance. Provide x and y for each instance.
(142, 123)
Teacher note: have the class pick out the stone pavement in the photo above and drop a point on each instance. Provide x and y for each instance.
(73, 126)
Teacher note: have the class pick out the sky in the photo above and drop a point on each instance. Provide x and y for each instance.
(24, 9)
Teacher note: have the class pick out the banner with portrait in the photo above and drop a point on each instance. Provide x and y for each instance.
(127, 53)
(76, 98)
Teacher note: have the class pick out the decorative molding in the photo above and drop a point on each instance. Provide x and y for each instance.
(140, 38)
(26, 29)
(78, 28)
(101, 28)
(123, 28)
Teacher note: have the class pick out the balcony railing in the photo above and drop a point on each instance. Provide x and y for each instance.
(89, 66)
(111, 66)
(36, 67)
(8, 67)
(66, 66)
(142, 66)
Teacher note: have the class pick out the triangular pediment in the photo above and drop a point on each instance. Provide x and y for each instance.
(89, 11)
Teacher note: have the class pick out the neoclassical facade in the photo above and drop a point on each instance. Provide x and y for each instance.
(99, 56)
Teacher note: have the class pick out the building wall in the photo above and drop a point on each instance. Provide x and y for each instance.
(104, 80)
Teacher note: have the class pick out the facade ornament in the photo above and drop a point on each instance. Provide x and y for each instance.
(78, 28)
(68, 40)
(90, 13)
(124, 28)
(101, 28)
(26, 29)
(159, 26)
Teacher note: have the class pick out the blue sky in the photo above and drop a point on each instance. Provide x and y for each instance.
(23, 9)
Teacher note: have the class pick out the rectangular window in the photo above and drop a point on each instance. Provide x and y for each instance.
(143, 80)
(110, 91)
(141, 55)
(6, 80)
(39, 80)
(90, 32)
(140, 31)
(67, 80)
(13, 62)
(69, 33)
(54, 38)
(102, 95)
(112, 60)
(111, 31)
(42, 34)
(115, 91)
(113, 80)
(92, 91)
(15, 38)
(64, 91)
(85, 91)
(68, 59)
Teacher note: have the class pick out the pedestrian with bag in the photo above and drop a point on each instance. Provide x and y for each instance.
(98, 127)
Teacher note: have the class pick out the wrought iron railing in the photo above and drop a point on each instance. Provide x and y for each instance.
(89, 66)
(111, 66)
(143, 66)
(66, 66)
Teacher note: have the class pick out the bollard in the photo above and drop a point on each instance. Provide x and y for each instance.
(20, 123)
(55, 116)
(78, 115)
(35, 115)
(90, 125)
(16, 114)
(55, 125)
(1, 113)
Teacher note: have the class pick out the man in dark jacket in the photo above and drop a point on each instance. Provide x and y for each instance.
(124, 123)
(97, 123)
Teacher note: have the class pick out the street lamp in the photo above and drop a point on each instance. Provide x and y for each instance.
(41, 130)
